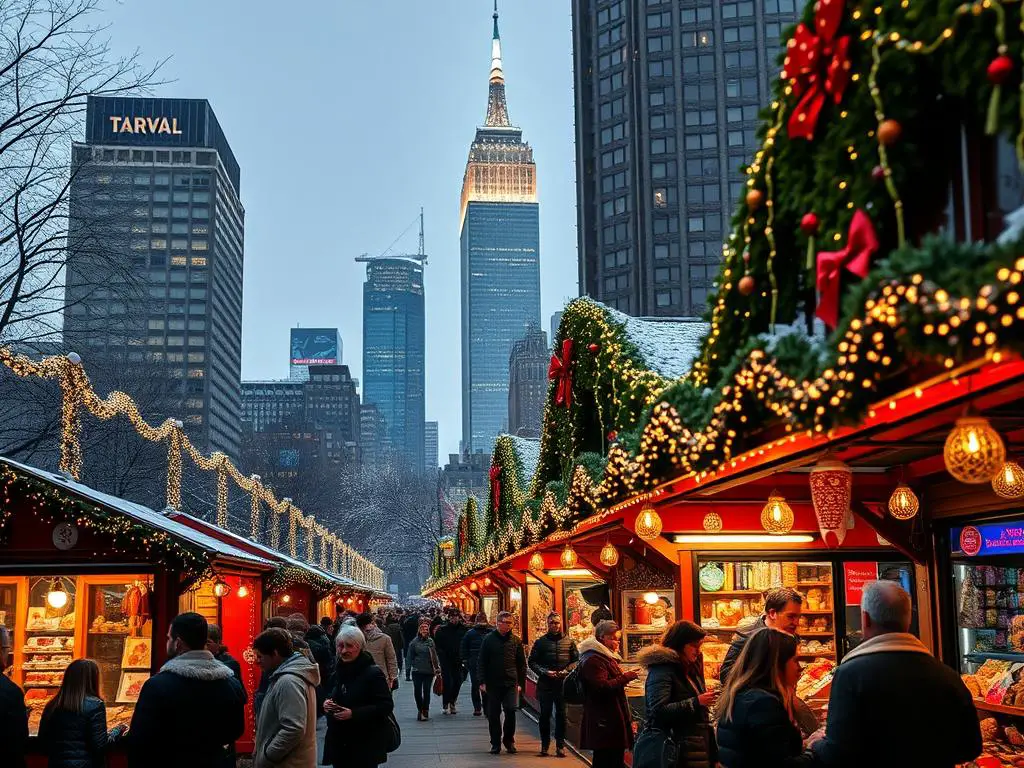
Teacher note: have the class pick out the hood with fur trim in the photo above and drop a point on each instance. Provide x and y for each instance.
(593, 644)
(197, 665)
(657, 654)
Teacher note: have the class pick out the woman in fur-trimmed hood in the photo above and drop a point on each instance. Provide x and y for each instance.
(676, 696)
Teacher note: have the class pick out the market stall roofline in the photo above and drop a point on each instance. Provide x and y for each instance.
(221, 550)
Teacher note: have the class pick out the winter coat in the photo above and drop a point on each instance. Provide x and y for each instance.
(501, 662)
(231, 663)
(187, 714)
(422, 656)
(394, 631)
(410, 626)
(552, 653)
(448, 639)
(13, 724)
(471, 642)
(322, 648)
(363, 739)
(607, 721)
(760, 734)
(286, 729)
(75, 739)
(893, 704)
(739, 639)
(670, 699)
(379, 646)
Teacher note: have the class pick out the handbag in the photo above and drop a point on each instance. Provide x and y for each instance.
(438, 685)
(655, 748)
(394, 734)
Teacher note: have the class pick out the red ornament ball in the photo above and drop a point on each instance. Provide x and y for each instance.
(612, 436)
(594, 348)
(809, 223)
(746, 285)
(889, 132)
(755, 199)
(1000, 69)
(878, 173)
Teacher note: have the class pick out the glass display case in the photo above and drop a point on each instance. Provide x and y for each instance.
(540, 601)
(645, 617)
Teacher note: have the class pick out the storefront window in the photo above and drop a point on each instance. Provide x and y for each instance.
(540, 601)
(645, 616)
(580, 601)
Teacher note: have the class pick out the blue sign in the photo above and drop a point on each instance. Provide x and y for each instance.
(315, 346)
(288, 458)
(1006, 538)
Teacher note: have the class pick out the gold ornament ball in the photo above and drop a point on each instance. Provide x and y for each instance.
(712, 522)
(889, 132)
(903, 504)
(536, 562)
(755, 199)
(609, 554)
(974, 451)
(777, 516)
(1008, 482)
(746, 285)
(568, 558)
(648, 524)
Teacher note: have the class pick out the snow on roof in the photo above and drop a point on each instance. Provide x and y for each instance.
(667, 345)
(528, 450)
(141, 514)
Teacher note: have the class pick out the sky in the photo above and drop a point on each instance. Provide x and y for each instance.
(346, 116)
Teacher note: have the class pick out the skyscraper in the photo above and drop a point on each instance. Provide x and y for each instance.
(500, 238)
(667, 97)
(154, 266)
(527, 382)
(430, 447)
(312, 346)
(394, 352)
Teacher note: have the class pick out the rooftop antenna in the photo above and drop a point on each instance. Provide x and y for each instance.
(420, 256)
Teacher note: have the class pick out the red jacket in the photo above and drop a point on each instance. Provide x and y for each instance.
(607, 722)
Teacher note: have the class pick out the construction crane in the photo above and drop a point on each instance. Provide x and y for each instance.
(421, 256)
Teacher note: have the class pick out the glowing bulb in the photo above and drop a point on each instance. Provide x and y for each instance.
(57, 597)
(221, 588)
(243, 591)
(973, 446)
(650, 598)
(286, 599)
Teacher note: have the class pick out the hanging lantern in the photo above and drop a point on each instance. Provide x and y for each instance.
(221, 588)
(447, 548)
(713, 522)
(286, 599)
(487, 581)
(536, 562)
(609, 554)
(57, 597)
(777, 515)
(243, 591)
(974, 451)
(473, 586)
(831, 489)
(1009, 481)
(903, 504)
(568, 558)
(648, 524)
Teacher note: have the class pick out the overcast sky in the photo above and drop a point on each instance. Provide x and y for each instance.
(346, 116)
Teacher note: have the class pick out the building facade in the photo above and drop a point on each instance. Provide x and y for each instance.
(667, 97)
(371, 437)
(154, 266)
(312, 346)
(267, 404)
(394, 353)
(464, 476)
(528, 383)
(500, 243)
(430, 457)
(332, 409)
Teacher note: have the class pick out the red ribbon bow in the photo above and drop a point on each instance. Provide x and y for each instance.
(816, 65)
(560, 369)
(495, 475)
(861, 244)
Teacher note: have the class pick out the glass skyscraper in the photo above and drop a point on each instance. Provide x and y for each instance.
(394, 342)
(500, 239)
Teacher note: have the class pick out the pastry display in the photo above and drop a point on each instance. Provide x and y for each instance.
(101, 624)
(49, 644)
(816, 676)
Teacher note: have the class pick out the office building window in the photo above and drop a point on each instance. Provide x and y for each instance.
(701, 38)
(659, 20)
(702, 92)
(741, 87)
(619, 258)
(697, 141)
(659, 97)
(666, 275)
(613, 157)
(736, 59)
(610, 37)
(695, 224)
(613, 133)
(779, 6)
(664, 196)
(663, 170)
(659, 68)
(743, 34)
(703, 193)
(741, 10)
(664, 251)
(703, 64)
(609, 14)
(666, 225)
(659, 44)
(609, 60)
(663, 120)
(663, 145)
(695, 15)
(614, 207)
(694, 117)
(616, 283)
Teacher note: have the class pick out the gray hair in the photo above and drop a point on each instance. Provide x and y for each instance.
(604, 628)
(349, 633)
(888, 605)
(504, 615)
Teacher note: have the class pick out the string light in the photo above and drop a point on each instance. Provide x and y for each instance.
(648, 524)
(568, 558)
(712, 522)
(536, 562)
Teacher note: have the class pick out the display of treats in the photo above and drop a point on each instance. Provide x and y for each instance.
(816, 677)
(714, 654)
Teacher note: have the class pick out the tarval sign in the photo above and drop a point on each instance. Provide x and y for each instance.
(125, 124)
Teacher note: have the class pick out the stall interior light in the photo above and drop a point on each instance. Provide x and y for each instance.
(515, 593)
(742, 538)
(568, 573)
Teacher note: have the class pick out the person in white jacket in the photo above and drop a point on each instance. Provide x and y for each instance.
(286, 729)
(380, 647)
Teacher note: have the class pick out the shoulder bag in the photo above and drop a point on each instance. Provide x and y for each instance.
(655, 748)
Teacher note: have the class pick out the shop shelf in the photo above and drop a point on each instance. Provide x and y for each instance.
(732, 628)
(1005, 709)
(808, 633)
(979, 656)
(821, 612)
(814, 583)
(816, 655)
(68, 651)
(732, 592)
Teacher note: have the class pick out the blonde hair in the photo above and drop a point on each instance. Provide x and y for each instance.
(760, 665)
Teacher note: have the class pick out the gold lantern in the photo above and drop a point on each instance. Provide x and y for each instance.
(903, 503)
(777, 515)
(974, 451)
(648, 524)
(221, 588)
(1009, 481)
(536, 562)
(713, 522)
(568, 558)
(609, 554)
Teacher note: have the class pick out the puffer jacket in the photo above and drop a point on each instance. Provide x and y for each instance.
(552, 653)
(363, 739)
(670, 700)
(471, 642)
(75, 739)
(422, 657)
(286, 729)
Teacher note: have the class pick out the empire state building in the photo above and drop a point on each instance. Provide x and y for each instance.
(500, 243)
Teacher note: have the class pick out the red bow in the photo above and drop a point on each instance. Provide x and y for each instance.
(561, 369)
(816, 65)
(861, 244)
(495, 475)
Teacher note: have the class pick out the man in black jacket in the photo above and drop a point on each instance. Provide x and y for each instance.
(448, 641)
(393, 629)
(782, 607)
(550, 659)
(410, 626)
(892, 703)
(192, 710)
(470, 653)
(13, 723)
(501, 666)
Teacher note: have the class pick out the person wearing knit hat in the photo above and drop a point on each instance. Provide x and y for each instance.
(676, 697)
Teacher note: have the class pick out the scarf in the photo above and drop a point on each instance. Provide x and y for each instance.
(903, 642)
(593, 644)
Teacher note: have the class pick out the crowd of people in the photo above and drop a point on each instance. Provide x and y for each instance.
(892, 703)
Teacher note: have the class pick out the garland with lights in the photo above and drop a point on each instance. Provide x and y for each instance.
(469, 536)
(288, 576)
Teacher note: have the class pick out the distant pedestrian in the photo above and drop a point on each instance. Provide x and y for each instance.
(551, 657)
(470, 654)
(448, 639)
(279, 622)
(13, 722)
(421, 661)
(322, 649)
(73, 730)
(501, 667)
(215, 645)
(607, 723)
(190, 712)
(393, 630)
(359, 708)
(410, 628)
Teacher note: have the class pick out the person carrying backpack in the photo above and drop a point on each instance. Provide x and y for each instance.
(607, 723)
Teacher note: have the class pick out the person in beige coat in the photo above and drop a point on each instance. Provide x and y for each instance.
(286, 729)
(380, 647)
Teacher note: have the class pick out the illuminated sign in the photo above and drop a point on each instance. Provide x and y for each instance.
(315, 346)
(121, 124)
(989, 539)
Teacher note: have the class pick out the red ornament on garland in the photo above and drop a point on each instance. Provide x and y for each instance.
(878, 174)
(809, 224)
(594, 348)
(755, 199)
(613, 436)
(1000, 69)
(889, 132)
(746, 285)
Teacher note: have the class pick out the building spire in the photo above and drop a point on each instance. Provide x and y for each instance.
(497, 109)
